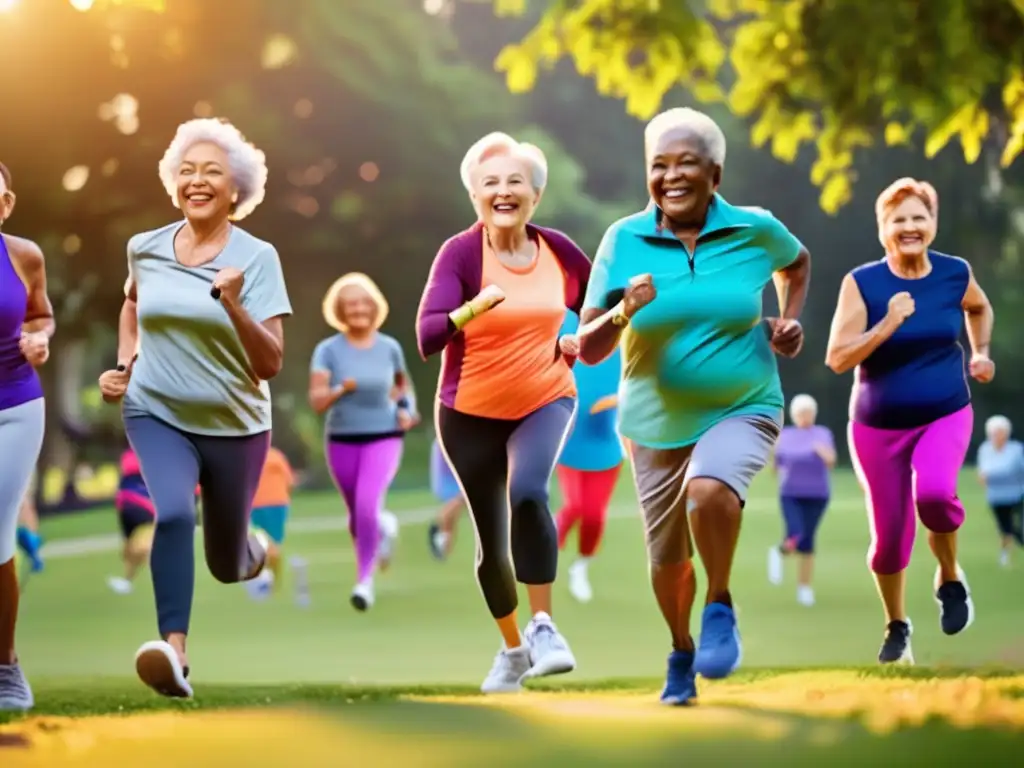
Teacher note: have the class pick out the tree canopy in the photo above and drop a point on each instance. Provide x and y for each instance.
(840, 75)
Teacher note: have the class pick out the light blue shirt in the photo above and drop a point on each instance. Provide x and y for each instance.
(193, 372)
(593, 444)
(1003, 471)
(369, 409)
(698, 353)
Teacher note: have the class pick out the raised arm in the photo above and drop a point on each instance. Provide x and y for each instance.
(850, 341)
(444, 294)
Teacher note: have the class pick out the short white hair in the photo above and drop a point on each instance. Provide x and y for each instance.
(684, 118)
(247, 164)
(995, 424)
(502, 144)
(802, 404)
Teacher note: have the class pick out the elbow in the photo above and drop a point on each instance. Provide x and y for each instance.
(835, 362)
(270, 366)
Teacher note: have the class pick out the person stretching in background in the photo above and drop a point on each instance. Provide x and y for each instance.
(137, 517)
(359, 379)
(804, 457)
(589, 465)
(1000, 465)
(270, 509)
(898, 322)
(493, 306)
(444, 486)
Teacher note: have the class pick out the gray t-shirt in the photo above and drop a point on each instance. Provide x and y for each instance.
(192, 371)
(368, 409)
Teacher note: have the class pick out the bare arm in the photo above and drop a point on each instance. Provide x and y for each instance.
(979, 317)
(128, 326)
(791, 286)
(321, 396)
(827, 454)
(598, 335)
(263, 342)
(30, 265)
(850, 341)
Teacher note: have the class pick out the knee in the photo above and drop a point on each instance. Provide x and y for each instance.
(708, 493)
(887, 558)
(805, 545)
(528, 494)
(939, 508)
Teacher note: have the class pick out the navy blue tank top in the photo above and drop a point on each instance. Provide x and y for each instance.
(919, 373)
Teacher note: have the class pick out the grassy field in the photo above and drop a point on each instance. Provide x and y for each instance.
(411, 666)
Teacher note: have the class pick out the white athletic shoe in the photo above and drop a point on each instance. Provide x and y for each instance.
(388, 524)
(549, 652)
(1004, 559)
(579, 582)
(805, 595)
(362, 595)
(508, 671)
(158, 667)
(775, 571)
(120, 585)
(262, 586)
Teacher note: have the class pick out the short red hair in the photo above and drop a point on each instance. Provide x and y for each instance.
(901, 189)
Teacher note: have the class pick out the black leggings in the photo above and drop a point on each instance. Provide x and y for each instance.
(1010, 519)
(504, 468)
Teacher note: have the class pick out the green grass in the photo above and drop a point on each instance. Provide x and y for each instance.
(430, 635)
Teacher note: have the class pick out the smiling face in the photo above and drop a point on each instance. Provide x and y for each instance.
(909, 228)
(503, 193)
(681, 178)
(356, 308)
(205, 188)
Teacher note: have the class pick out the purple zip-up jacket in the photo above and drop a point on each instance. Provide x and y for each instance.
(455, 278)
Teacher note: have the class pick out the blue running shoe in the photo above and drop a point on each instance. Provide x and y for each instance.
(719, 651)
(31, 543)
(680, 682)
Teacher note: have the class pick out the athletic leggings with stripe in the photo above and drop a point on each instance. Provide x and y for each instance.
(504, 468)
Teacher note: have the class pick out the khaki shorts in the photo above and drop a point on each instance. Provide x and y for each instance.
(732, 452)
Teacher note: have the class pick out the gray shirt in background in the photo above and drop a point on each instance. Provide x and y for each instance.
(369, 408)
(193, 372)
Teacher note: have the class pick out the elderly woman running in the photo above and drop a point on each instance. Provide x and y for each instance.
(804, 457)
(200, 335)
(680, 284)
(494, 304)
(358, 377)
(26, 326)
(1000, 467)
(898, 322)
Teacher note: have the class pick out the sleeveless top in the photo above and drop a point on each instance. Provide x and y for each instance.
(918, 374)
(19, 382)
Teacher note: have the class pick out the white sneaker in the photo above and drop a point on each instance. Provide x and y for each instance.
(158, 666)
(510, 667)
(120, 585)
(774, 566)
(579, 582)
(362, 596)
(388, 525)
(549, 652)
(261, 587)
(805, 595)
(1004, 559)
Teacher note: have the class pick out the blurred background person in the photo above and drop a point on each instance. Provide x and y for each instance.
(444, 486)
(805, 455)
(1000, 465)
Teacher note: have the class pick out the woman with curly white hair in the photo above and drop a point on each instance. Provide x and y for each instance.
(494, 305)
(199, 337)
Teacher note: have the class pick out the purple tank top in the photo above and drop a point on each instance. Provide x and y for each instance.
(19, 382)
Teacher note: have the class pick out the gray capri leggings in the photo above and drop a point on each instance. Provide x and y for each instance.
(21, 439)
